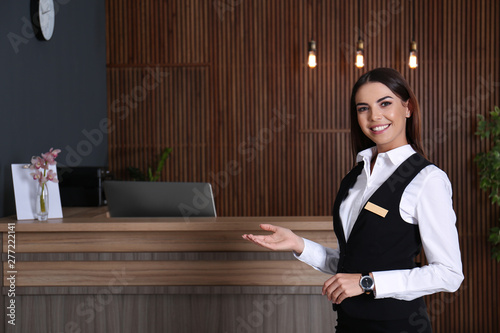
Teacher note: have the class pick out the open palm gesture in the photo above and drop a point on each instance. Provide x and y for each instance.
(281, 239)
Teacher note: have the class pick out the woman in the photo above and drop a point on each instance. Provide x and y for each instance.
(388, 206)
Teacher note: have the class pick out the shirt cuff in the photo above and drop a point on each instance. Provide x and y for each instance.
(387, 283)
(309, 249)
(319, 257)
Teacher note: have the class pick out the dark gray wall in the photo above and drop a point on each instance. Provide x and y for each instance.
(52, 93)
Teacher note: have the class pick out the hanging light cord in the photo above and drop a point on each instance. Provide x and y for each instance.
(413, 20)
(359, 18)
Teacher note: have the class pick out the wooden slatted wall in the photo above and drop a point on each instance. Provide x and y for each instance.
(225, 84)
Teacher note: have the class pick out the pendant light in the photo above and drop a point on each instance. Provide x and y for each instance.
(311, 60)
(360, 59)
(412, 61)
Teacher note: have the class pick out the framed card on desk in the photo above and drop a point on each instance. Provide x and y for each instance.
(25, 192)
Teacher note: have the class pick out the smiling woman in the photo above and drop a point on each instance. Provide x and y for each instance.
(382, 119)
(391, 88)
(393, 203)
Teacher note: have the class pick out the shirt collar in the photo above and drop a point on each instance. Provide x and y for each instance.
(396, 156)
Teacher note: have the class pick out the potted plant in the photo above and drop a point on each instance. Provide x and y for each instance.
(137, 175)
(489, 168)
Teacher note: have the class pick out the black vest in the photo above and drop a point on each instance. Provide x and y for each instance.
(379, 243)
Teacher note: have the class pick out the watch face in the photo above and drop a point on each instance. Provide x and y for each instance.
(366, 282)
(47, 17)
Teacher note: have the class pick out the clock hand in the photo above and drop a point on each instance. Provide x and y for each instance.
(46, 9)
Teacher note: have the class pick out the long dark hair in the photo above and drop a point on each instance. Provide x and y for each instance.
(393, 80)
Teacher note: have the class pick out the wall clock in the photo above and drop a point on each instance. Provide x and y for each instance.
(44, 17)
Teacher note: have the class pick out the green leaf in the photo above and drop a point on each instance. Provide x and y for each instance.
(488, 164)
(136, 174)
(163, 157)
(150, 174)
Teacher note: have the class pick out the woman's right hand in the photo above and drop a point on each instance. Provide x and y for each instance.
(281, 239)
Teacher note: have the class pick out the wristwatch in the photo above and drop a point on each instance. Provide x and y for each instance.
(366, 283)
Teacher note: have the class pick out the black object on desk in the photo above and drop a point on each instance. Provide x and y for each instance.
(82, 186)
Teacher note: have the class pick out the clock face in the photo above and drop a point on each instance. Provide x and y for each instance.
(47, 17)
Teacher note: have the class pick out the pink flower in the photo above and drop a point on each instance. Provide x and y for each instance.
(42, 163)
(37, 175)
(37, 162)
(51, 155)
(51, 175)
(54, 152)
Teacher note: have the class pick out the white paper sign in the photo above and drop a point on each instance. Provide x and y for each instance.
(25, 192)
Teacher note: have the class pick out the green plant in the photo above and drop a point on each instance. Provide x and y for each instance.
(489, 168)
(138, 175)
(495, 240)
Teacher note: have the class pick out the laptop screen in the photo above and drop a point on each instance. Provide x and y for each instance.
(159, 199)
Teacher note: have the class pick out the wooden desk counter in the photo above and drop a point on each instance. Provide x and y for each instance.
(88, 231)
(87, 251)
(82, 219)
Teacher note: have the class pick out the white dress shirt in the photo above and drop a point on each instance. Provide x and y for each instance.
(426, 201)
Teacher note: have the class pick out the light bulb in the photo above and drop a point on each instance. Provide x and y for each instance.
(360, 59)
(412, 62)
(311, 60)
(360, 63)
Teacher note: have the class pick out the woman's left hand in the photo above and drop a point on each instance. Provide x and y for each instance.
(341, 286)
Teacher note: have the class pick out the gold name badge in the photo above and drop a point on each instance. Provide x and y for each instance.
(376, 209)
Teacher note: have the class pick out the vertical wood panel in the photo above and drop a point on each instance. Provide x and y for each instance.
(237, 312)
(241, 109)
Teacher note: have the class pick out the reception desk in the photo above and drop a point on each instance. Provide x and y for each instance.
(91, 273)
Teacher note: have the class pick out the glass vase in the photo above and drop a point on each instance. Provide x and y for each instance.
(42, 202)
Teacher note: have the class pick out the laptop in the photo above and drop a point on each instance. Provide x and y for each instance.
(159, 199)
